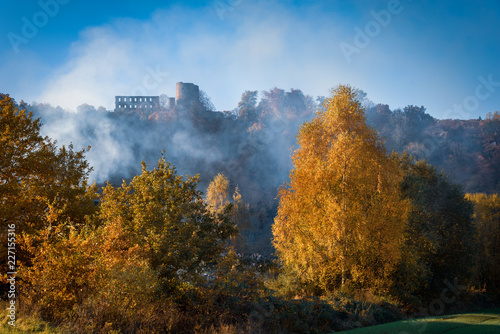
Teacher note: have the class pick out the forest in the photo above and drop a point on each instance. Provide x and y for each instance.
(288, 214)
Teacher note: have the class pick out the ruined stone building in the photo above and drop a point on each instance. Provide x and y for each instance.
(186, 94)
(131, 103)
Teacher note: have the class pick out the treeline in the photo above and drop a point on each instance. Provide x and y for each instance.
(467, 150)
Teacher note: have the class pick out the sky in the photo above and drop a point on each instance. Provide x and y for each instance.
(443, 55)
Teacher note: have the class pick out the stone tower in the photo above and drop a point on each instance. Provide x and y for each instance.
(171, 103)
(186, 94)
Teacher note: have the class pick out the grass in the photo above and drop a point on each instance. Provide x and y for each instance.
(24, 324)
(486, 321)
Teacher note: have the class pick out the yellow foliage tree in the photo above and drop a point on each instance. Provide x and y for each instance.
(40, 185)
(340, 218)
(217, 201)
(217, 193)
(43, 189)
(103, 271)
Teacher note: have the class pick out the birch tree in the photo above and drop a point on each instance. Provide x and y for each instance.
(340, 218)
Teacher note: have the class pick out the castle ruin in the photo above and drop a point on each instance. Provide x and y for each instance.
(186, 94)
(132, 103)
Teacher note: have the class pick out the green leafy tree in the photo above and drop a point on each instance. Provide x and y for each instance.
(168, 216)
(340, 219)
(487, 223)
(439, 237)
(240, 214)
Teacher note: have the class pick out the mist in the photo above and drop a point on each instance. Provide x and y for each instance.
(250, 144)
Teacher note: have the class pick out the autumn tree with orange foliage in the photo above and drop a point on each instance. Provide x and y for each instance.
(151, 238)
(340, 219)
(43, 189)
(102, 271)
(40, 185)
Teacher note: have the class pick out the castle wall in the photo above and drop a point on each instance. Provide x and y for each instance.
(131, 103)
(171, 103)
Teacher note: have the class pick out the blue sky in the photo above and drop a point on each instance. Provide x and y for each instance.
(444, 55)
